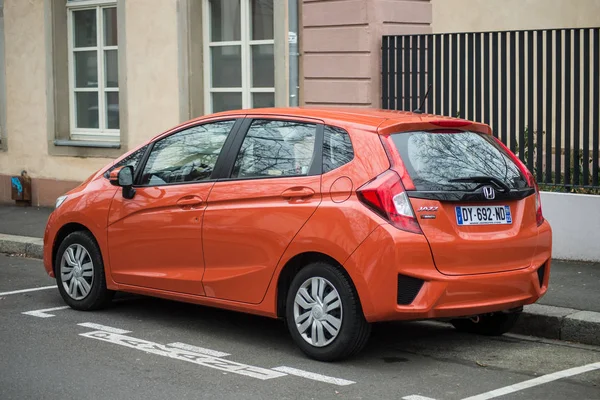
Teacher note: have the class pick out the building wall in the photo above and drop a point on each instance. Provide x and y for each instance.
(152, 68)
(152, 89)
(500, 15)
(341, 47)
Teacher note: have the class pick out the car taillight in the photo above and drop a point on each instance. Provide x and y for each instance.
(539, 217)
(385, 195)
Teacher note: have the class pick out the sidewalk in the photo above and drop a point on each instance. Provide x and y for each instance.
(570, 310)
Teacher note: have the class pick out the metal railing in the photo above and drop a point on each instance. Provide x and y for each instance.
(538, 89)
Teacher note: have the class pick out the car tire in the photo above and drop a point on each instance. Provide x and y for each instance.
(489, 325)
(313, 320)
(80, 273)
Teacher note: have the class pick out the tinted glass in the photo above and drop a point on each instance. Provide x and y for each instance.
(434, 160)
(186, 156)
(262, 100)
(110, 27)
(86, 104)
(224, 101)
(276, 148)
(225, 20)
(86, 69)
(133, 159)
(84, 28)
(337, 148)
(226, 66)
(263, 65)
(262, 19)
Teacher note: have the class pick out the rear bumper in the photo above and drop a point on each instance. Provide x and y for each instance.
(389, 253)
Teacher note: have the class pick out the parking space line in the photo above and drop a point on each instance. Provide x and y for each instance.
(27, 290)
(196, 349)
(313, 376)
(536, 381)
(104, 328)
(416, 397)
(184, 355)
(44, 313)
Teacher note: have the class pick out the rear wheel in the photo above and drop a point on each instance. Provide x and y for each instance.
(490, 325)
(80, 272)
(324, 315)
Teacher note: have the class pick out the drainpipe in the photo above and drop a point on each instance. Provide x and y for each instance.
(293, 51)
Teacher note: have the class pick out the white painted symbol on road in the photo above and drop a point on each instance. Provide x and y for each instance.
(44, 313)
(104, 328)
(28, 290)
(314, 377)
(416, 397)
(197, 349)
(184, 355)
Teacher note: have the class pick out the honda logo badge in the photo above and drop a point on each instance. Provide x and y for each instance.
(489, 192)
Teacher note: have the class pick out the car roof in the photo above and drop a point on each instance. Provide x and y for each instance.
(372, 119)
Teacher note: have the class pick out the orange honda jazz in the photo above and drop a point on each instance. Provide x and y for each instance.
(328, 218)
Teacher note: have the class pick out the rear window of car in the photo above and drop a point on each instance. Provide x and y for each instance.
(446, 161)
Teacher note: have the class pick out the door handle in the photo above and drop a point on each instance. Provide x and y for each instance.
(297, 192)
(189, 201)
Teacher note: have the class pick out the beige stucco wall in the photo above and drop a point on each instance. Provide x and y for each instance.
(152, 68)
(497, 15)
(26, 100)
(152, 85)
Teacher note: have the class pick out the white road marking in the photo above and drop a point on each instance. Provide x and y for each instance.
(417, 397)
(196, 349)
(104, 328)
(313, 376)
(184, 355)
(28, 290)
(535, 382)
(44, 313)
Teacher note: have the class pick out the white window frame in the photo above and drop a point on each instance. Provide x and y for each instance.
(246, 54)
(102, 133)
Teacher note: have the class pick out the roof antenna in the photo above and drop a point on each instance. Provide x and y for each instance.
(420, 109)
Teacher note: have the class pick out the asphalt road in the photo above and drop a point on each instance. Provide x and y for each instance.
(144, 348)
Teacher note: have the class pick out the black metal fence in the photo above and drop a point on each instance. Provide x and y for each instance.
(539, 90)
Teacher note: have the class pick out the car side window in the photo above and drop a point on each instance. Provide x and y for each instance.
(131, 160)
(337, 148)
(186, 156)
(275, 149)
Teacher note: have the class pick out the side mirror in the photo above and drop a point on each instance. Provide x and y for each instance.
(123, 177)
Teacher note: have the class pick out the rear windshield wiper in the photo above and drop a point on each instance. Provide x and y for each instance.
(483, 179)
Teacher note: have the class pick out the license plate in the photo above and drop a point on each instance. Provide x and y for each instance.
(490, 215)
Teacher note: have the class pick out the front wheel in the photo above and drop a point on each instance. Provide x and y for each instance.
(80, 272)
(324, 315)
(489, 325)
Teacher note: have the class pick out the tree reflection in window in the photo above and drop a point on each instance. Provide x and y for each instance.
(433, 160)
(337, 148)
(276, 148)
(131, 160)
(186, 156)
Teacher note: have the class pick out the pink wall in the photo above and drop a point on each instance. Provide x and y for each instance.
(341, 46)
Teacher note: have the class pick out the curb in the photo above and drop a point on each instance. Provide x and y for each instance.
(536, 320)
(22, 245)
(559, 323)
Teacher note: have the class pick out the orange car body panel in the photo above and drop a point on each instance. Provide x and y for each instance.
(228, 249)
(457, 250)
(247, 227)
(155, 238)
